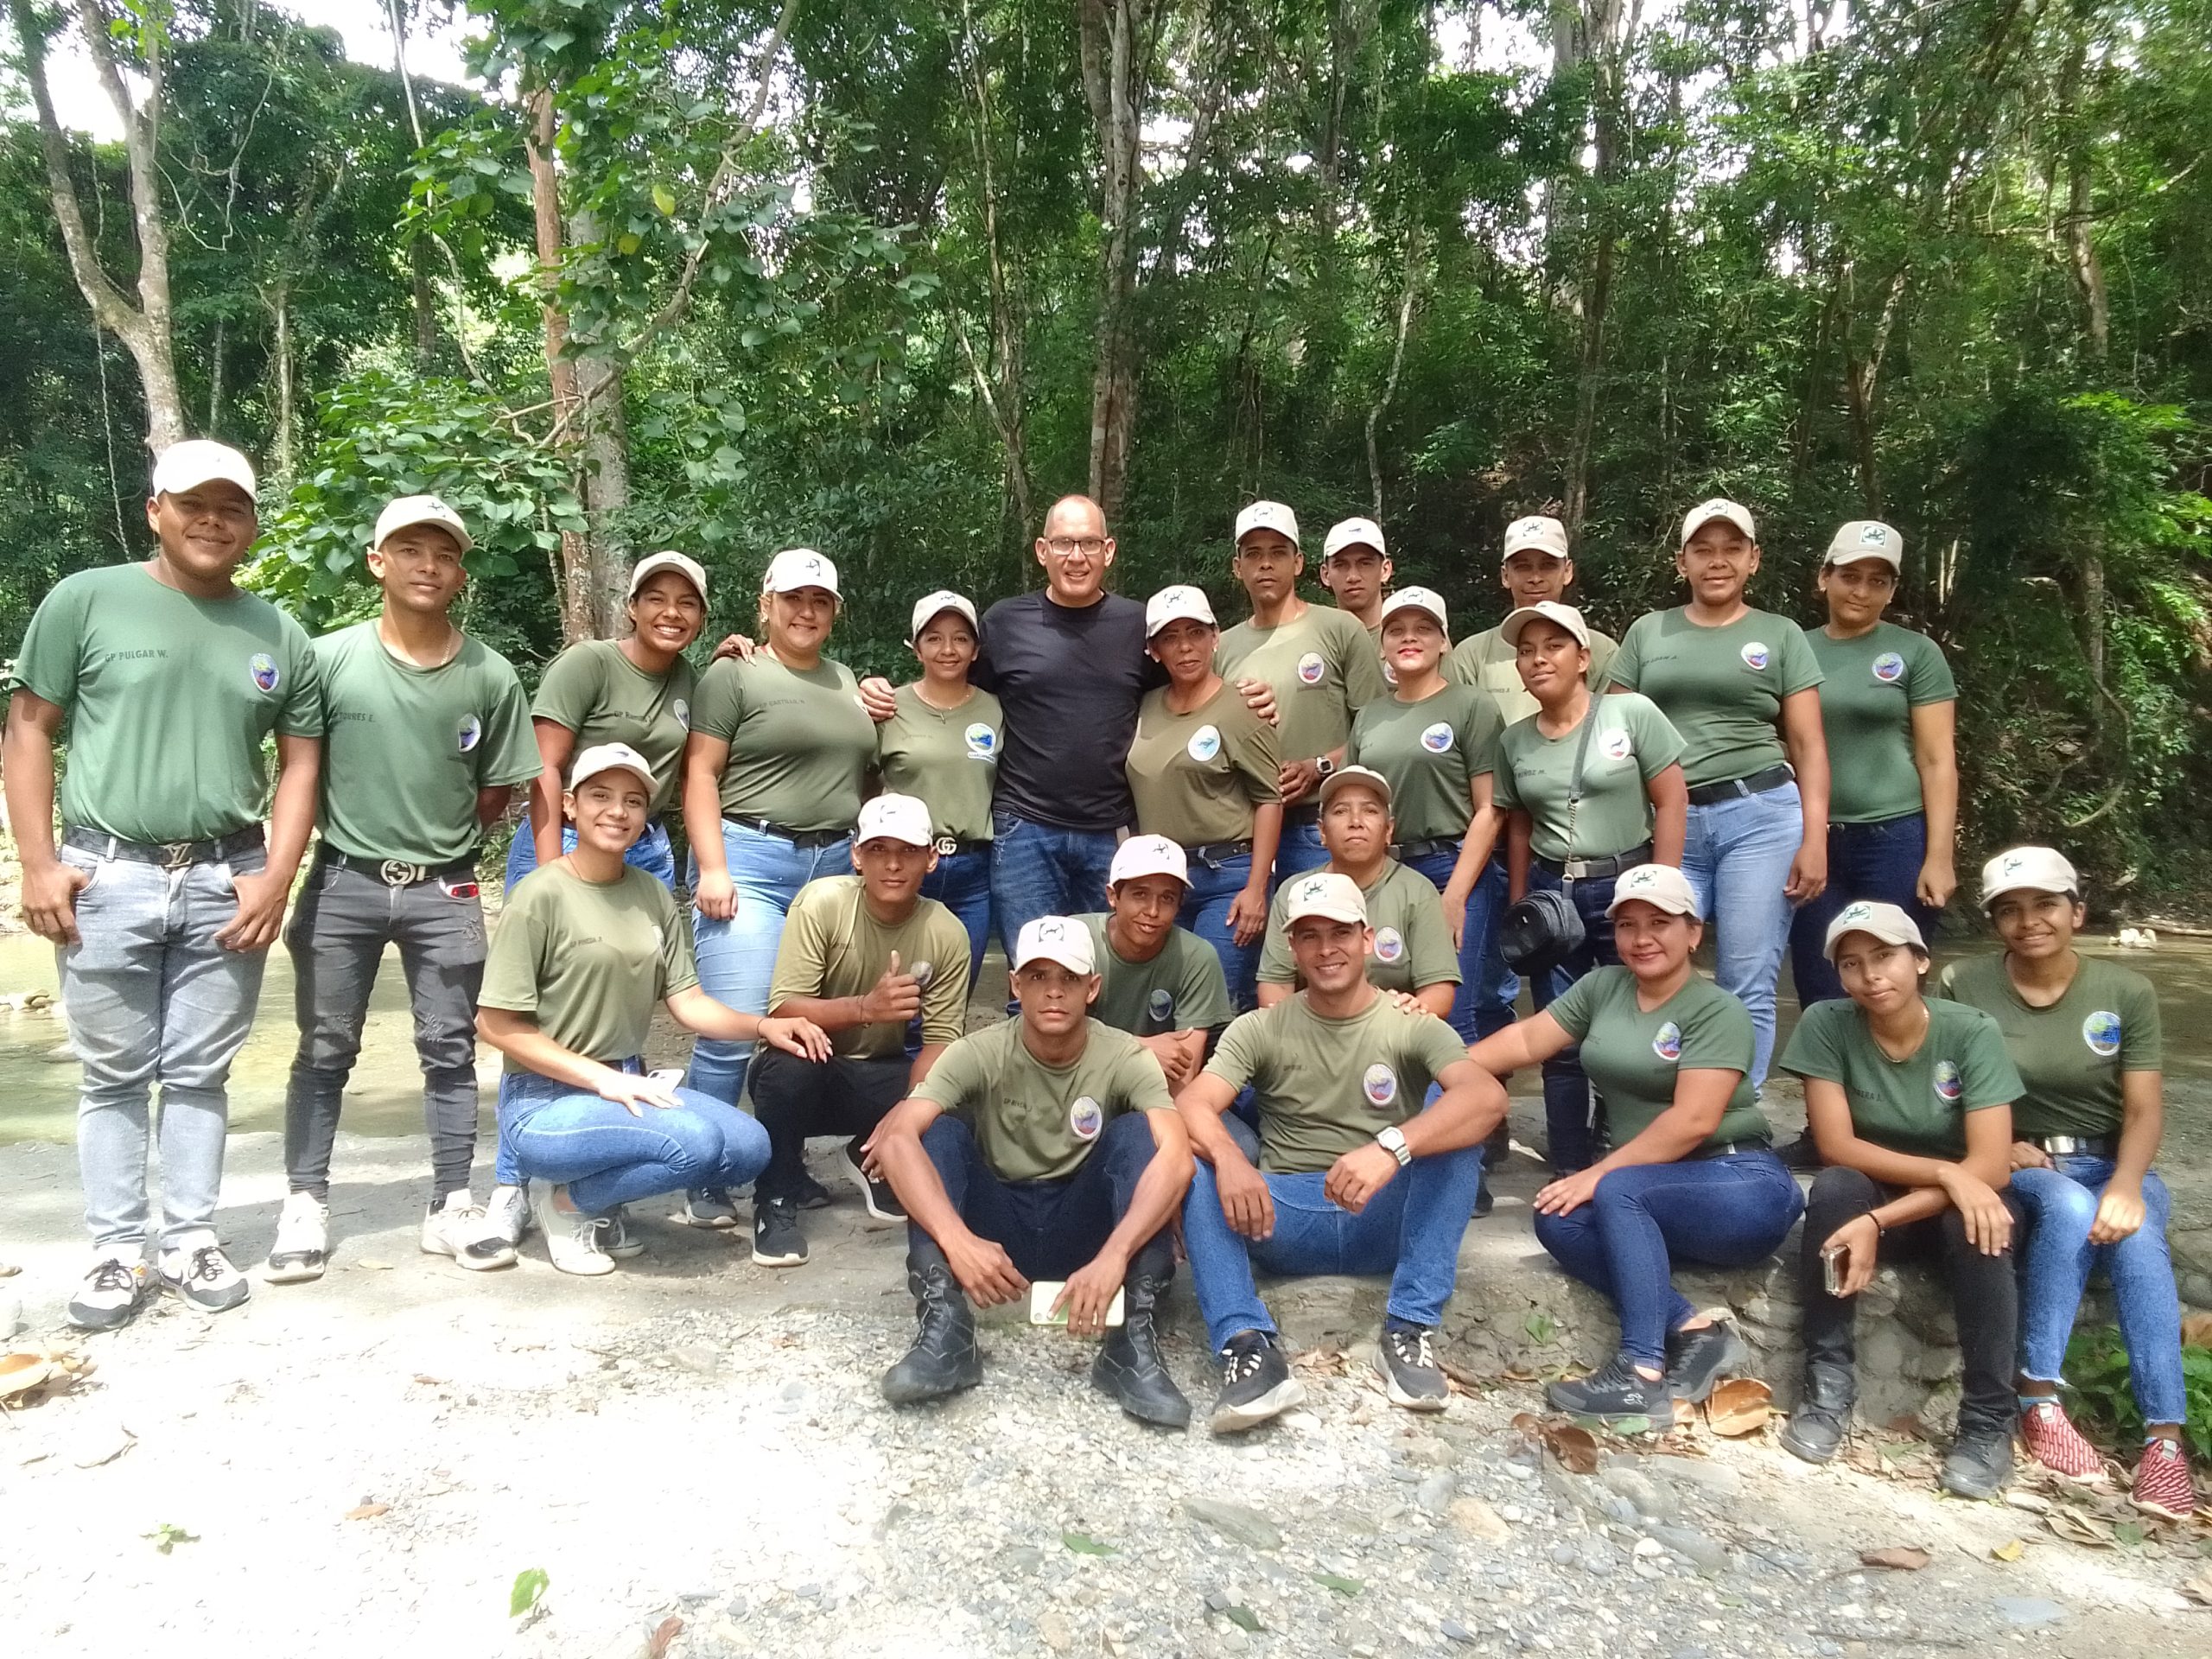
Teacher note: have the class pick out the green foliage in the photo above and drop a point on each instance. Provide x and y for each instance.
(2101, 1401)
(528, 1590)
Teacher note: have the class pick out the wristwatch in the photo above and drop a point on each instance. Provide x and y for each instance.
(1323, 766)
(1393, 1141)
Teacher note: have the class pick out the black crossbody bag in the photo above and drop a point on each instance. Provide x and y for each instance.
(1545, 928)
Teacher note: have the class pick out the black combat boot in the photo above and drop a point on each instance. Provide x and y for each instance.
(1815, 1430)
(1128, 1365)
(944, 1359)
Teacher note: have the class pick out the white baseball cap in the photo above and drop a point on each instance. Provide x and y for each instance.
(799, 567)
(1418, 599)
(930, 606)
(1148, 855)
(609, 757)
(1343, 775)
(1866, 539)
(1719, 507)
(192, 461)
(1177, 604)
(668, 559)
(1545, 610)
(1268, 515)
(1536, 533)
(1055, 938)
(1659, 885)
(1327, 894)
(2028, 869)
(1885, 922)
(411, 510)
(894, 817)
(1352, 532)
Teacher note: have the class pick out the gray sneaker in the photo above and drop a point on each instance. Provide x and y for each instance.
(195, 1270)
(709, 1207)
(112, 1294)
(616, 1238)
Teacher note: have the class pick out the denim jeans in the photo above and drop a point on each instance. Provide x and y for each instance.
(737, 958)
(338, 933)
(1737, 856)
(2055, 1263)
(1570, 1112)
(650, 853)
(1880, 862)
(1050, 1229)
(1040, 869)
(1300, 848)
(1725, 1212)
(554, 1131)
(1411, 1230)
(1213, 888)
(962, 883)
(795, 1098)
(1484, 1002)
(153, 999)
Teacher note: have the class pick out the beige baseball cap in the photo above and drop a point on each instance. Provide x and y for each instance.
(1719, 507)
(2028, 869)
(799, 567)
(1537, 533)
(1418, 599)
(1545, 610)
(1268, 515)
(1866, 539)
(1178, 604)
(609, 757)
(1661, 885)
(1353, 532)
(191, 463)
(1325, 894)
(894, 817)
(668, 559)
(1148, 855)
(1343, 775)
(1055, 938)
(930, 606)
(1887, 922)
(411, 510)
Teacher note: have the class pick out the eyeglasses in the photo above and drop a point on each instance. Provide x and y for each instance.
(1067, 547)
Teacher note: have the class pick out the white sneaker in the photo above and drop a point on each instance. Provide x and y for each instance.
(616, 1238)
(302, 1246)
(571, 1237)
(112, 1293)
(460, 1229)
(508, 1213)
(195, 1269)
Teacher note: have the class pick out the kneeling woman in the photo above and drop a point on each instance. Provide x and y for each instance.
(585, 946)
(1910, 1099)
(1691, 1174)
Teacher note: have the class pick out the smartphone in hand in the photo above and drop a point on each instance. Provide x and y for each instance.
(1043, 1293)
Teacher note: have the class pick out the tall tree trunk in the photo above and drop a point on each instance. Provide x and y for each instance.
(1406, 299)
(605, 449)
(284, 442)
(579, 608)
(1117, 37)
(1607, 26)
(2082, 262)
(425, 304)
(1002, 390)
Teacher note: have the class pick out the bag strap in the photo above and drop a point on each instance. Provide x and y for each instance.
(1575, 785)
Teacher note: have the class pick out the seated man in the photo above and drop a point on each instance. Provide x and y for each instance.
(1339, 1070)
(861, 957)
(1161, 983)
(1046, 1148)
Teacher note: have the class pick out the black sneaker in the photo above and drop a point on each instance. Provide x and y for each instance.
(882, 1203)
(110, 1296)
(777, 1241)
(1698, 1359)
(1255, 1383)
(1410, 1374)
(1485, 1201)
(1613, 1395)
(1978, 1465)
(810, 1194)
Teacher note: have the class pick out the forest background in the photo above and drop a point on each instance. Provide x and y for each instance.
(885, 276)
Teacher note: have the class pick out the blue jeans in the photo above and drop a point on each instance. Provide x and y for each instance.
(1738, 855)
(1213, 888)
(1880, 862)
(554, 1131)
(737, 958)
(2059, 1205)
(151, 998)
(1050, 1229)
(650, 853)
(1299, 849)
(1040, 869)
(1484, 1002)
(962, 883)
(1411, 1230)
(1570, 1115)
(1725, 1212)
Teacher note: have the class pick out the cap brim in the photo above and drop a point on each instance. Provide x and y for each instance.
(467, 542)
(1047, 956)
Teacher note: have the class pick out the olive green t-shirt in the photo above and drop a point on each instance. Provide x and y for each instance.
(1323, 667)
(602, 696)
(1722, 687)
(1487, 661)
(168, 699)
(1038, 1122)
(800, 743)
(1197, 776)
(2071, 1054)
(946, 758)
(1632, 744)
(832, 946)
(589, 960)
(1918, 1105)
(1182, 988)
(1870, 687)
(1634, 1056)
(1413, 947)
(1327, 1086)
(406, 749)
(1431, 751)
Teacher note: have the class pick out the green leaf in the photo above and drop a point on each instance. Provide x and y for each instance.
(529, 1585)
(168, 1536)
(1244, 1619)
(1342, 1586)
(665, 198)
(1084, 1544)
(1541, 1327)
(629, 242)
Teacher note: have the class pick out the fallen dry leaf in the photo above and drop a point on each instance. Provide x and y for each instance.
(2199, 1589)
(657, 1644)
(367, 1512)
(1901, 1558)
(1738, 1407)
(2010, 1550)
(1575, 1448)
(20, 1373)
(2078, 1528)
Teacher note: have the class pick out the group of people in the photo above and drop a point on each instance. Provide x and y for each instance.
(1324, 840)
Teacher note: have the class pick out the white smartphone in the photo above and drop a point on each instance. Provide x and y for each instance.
(668, 1076)
(1044, 1291)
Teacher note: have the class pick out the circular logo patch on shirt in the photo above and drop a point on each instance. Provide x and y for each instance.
(1204, 744)
(1389, 674)
(923, 972)
(2101, 1031)
(1667, 1045)
(262, 667)
(471, 732)
(982, 742)
(1616, 746)
(1160, 1005)
(1947, 1086)
(1311, 668)
(682, 713)
(1389, 944)
(1889, 668)
(1437, 739)
(1754, 653)
(1379, 1084)
(1086, 1118)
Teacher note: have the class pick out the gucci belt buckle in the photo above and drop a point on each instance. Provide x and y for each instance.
(175, 855)
(945, 845)
(393, 873)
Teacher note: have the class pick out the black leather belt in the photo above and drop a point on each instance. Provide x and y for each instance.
(950, 846)
(394, 872)
(170, 854)
(1403, 850)
(2076, 1145)
(1757, 784)
(796, 837)
(1215, 853)
(1726, 1149)
(1595, 869)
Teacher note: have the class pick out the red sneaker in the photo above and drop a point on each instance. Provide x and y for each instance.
(2053, 1441)
(2162, 1481)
